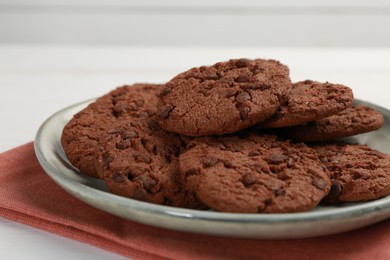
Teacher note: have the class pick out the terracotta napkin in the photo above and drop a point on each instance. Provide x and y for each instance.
(29, 196)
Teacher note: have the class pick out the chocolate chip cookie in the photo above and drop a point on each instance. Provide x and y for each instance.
(138, 160)
(80, 137)
(223, 98)
(253, 173)
(351, 121)
(309, 101)
(358, 172)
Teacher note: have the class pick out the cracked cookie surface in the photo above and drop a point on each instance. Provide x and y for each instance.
(309, 101)
(254, 173)
(223, 98)
(357, 172)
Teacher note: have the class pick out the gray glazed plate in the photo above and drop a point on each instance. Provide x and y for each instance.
(323, 220)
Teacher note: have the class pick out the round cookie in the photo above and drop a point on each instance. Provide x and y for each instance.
(309, 101)
(223, 98)
(253, 174)
(358, 172)
(138, 160)
(83, 132)
(351, 121)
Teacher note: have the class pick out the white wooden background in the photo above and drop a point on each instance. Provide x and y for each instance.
(256, 23)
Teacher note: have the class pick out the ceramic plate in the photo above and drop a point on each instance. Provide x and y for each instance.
(323, 220)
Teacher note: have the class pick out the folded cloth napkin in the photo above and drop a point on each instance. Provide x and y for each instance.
(29, 196)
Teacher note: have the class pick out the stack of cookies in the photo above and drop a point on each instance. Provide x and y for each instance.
(237, 136)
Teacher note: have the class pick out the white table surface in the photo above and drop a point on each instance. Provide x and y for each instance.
(36, 81)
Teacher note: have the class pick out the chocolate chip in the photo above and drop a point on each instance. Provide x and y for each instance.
(144, 142)
(154, 149)
(209, 74)
(356, 119)
(242, 78)
(268, 202)
(320, 183)
(209, 161)
(129, 176)
(360, 175)
(242, 63)
(250, 87)
(280, 192)
(119, 109)
(260, 87)
(227, 82)
(115, 130)
(277, 115)
(114, 101)
(147, 182)
(228, 165)
(220, 74)
(116, 113)
(118, 177)
(244, 111)
(243, 97)
(248, 179)
(356, 175)
(166, 111)
(253, 153)
(276, 158)
(263, 87)
(153, 125)
(205, 92)
(335, 191)
(276, 169)
(166, 90)
(282, 176)
(141, 158)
